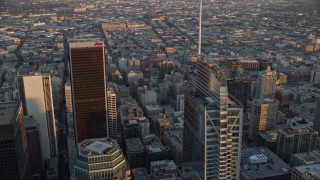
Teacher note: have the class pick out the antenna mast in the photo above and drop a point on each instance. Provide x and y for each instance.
(200, 29)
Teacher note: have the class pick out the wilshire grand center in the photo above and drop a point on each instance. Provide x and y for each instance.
(213, 126)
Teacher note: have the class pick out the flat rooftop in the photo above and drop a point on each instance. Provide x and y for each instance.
(7, 112)
(134, 144)
(80, 43)
(274, 166)
(313, 170)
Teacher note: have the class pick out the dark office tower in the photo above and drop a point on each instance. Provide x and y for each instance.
(240, 88)
(33, 138)
(89, 89)
(14, 162)
(212, 126)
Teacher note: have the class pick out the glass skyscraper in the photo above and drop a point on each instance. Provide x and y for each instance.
(212, 132)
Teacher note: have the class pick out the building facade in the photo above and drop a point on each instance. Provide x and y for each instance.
(267, 83)
(36, 96)
(89, 89)
(297, 137)
(112, 113)
(208, 132)
(100, 159)
(263, 116)
(35, 154)
(14, 163)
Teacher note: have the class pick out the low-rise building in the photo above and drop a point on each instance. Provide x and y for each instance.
(261, 163)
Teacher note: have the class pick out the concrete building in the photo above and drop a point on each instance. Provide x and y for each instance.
(35, 154)
(268, 140)
(180, 102)
(14, 163)
(261, 163)
(89, 88)
(250, 65)
(130, 129)
(140, 174)
(100, 158)
(165, 169)
(267, 82)
(208, 132)
(135, 153)
(306, 172)
(56, 92)
(155, 151)
(297, 137)
(263, 116)
(68, 96)
(153, 110)
(174, 140)
(306, 158)
(146, 96)
(36, 96)
(112, 113)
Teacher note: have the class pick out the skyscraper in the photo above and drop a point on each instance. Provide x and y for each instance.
(267, 82)
(35, 154)
(112, 113)
(263, 116)
(297, 137)
(101, 158)
(36, 96)
(14, 162)
(212, 133)
(89, 89)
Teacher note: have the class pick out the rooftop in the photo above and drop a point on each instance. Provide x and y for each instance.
(80, 43)
(272, 166)
(99, 146)
(7, 112)
(134, 144)
(313, 170)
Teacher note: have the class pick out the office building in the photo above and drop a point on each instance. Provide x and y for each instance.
(89, 88)
(112, 113)
(208, 132)
(261, 163)
(36, 96)
(165, 169)
(135, 153)
(35, 154)
(305, 158)
(268, 140)
(68, 96)
(174, 139)
(263, 116)
(297, 137)
(240, 88)
(267, 83)
(100, 158)
(155, 151)
(14, 162)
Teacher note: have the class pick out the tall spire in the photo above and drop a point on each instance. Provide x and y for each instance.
(200, 28)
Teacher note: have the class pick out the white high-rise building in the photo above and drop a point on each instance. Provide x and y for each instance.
(267, 83)
(112, 113)
(36, 96)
